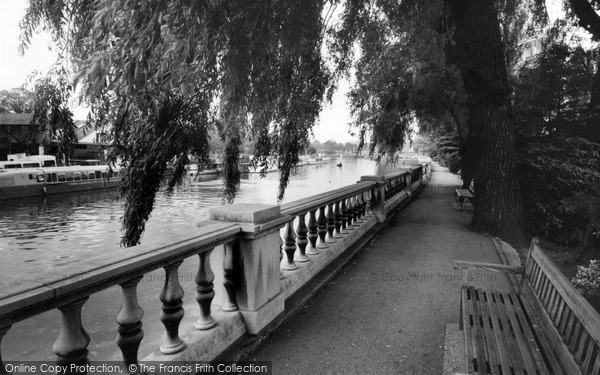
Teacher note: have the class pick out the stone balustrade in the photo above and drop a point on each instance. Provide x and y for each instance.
(251, 258)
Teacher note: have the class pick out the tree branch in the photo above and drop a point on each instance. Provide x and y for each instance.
(588, 18)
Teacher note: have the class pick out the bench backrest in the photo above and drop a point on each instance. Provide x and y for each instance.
(572, 324)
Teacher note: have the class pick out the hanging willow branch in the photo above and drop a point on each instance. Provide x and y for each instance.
(162, 74)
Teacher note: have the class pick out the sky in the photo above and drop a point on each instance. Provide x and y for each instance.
(14, 70)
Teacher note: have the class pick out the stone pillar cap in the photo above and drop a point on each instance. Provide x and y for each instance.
(244, 213)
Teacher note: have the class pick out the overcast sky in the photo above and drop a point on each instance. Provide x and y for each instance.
(14, 70)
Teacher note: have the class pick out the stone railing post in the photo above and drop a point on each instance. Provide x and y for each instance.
(378, 206)
(259, 296)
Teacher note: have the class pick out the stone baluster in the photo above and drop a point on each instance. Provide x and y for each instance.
(289, 246)
(360, 207)
(387, 191)
(129, 318)
(351, 218)
(231, 276)
(322, 229)
(302, 240)
(368, 202)
(71, 344)
(338, 221)
(355, 211)
(313, 233)
(204, 291)
(172, 311)
(330, 223)
(408, 183)
(3, 331)
(345, 216)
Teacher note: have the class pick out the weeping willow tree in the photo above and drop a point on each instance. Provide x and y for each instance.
(164, 73)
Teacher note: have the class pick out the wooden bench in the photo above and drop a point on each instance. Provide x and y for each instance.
(464, 196)
(545, 327)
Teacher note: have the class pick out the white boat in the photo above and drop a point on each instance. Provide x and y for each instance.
(31, 182)
(19, 161)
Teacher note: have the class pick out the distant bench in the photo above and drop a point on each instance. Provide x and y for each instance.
(464, 196)
(547, 327)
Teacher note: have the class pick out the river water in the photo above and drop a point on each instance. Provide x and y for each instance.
(38, 233)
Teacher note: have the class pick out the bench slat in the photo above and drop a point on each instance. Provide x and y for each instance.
(546, 347)
(509, 335)
(554, 305)
(575, 336)
(523, 343)
(477, 330)
(596, 369)
(589, 356)
(557, 318)
(529, 335)
(466, 315)
(489, 329)
(585, 337)
(500, 333)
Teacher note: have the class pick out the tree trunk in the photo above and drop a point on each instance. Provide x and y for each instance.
(481, 60)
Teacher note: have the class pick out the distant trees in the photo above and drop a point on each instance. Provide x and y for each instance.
(16, 100)
(331, 147)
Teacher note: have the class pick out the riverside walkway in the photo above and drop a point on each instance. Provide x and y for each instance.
(244, 273)
(386, 312)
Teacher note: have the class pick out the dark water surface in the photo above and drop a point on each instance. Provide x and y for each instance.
(40, 233)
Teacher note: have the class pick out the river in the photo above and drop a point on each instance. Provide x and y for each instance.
(39, 233)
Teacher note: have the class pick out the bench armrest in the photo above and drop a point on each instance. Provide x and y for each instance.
(460, 264)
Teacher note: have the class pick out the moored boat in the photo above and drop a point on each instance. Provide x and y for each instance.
(31, 182)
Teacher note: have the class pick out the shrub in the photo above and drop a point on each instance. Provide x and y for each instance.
(559, 178)
(587, 281)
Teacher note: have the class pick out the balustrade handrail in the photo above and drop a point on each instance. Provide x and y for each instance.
(305, 204)
(397, 174)
(28, 298)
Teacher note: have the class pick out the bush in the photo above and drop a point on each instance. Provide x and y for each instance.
(558, 178)
(454, 163)
(587, 281)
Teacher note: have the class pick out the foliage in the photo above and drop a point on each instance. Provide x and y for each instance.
(552, 90)
(558, 177)
(16, 100)
(587, 281)
(559, 167)
(445, 150)
(402, 75)
(52, 118)
(163, 73)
